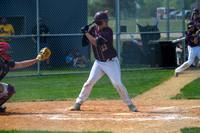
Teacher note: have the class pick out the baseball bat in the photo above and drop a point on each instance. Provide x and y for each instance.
(192, 16)
(91, 23)
(178, 40)
(107, 12)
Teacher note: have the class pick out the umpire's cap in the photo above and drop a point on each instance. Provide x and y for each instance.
(101, 16)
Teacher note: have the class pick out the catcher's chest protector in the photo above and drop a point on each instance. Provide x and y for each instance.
(4, 68)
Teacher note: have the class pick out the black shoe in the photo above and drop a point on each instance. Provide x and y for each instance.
(132, 108)
(2, 108)
(75, 107)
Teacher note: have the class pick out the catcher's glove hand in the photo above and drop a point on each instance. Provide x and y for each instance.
(44, 54)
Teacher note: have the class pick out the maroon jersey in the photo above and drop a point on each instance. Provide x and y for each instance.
(196, 22)
(190, 38)
(105, 51)
(5, 67)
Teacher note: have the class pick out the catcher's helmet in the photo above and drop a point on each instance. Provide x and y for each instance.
(5, 51)
(100, 16)
(195, 10)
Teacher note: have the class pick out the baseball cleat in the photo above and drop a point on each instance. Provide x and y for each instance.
(75, 107)
(2, 108)
(132, 108)
(176, 74)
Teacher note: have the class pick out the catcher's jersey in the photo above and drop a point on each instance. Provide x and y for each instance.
(5, 67)
(105, 51)
(6, 30)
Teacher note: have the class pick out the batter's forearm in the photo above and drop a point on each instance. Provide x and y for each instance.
(91, 39)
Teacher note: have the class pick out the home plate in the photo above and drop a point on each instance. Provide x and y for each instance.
(123, 114)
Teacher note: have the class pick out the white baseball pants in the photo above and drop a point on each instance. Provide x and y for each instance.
(112, 69)
(192, 53)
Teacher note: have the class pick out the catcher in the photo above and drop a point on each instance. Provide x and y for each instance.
(6, 63)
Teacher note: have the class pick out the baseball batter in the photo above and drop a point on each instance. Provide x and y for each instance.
(6, 62)
(101, 38)
(193, 47)
(195, 17)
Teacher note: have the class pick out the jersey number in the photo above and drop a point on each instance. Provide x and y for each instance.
(104, 47)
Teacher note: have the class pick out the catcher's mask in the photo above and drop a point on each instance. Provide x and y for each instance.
(5, 51)
(100, 16)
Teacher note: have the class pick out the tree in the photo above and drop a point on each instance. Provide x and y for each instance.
(127, 7)
(134, 8)
(178, 3)
(149, 7)
(101, 5)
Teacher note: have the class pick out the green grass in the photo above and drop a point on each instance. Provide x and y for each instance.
(191, 130)
(19, 131)
(63, 87)
(190, 91)
(52, 71)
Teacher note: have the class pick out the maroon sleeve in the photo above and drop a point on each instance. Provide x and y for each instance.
(91, 31)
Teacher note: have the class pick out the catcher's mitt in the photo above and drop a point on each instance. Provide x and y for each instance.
(44, 54)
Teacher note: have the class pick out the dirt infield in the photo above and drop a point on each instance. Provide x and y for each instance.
(158, 114)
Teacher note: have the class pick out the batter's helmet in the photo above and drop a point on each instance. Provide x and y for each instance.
(5, 51)
(100, 16)
(195, 10)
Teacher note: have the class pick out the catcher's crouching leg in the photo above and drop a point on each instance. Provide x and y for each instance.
(7, 92)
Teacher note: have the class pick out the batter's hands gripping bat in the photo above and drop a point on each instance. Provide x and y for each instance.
(85, 28)
(196, 37)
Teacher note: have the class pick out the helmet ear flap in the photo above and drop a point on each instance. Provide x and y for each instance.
(99, 23)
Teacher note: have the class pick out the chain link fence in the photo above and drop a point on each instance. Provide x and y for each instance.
(135, 24)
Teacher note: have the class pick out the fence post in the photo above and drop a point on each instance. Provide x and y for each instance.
(168, 23)
(117, 27)
(38, 34)
(183, 27)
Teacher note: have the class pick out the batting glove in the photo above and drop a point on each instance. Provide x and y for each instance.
(84, 29)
